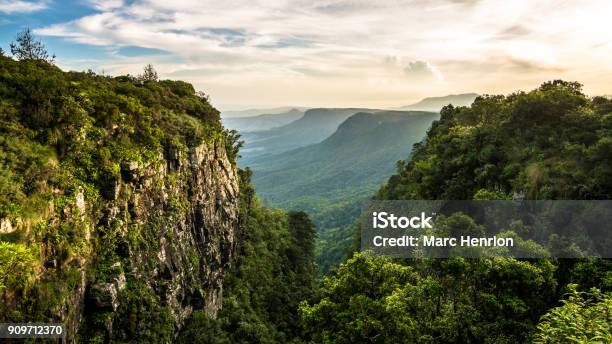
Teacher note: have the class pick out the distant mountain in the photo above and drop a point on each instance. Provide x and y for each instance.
(360, 154)
(257, 112)
(437, 103)
(313, 127)
(262, 122)
(330, 179)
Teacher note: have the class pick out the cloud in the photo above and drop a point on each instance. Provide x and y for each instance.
(512, 32)
(332, 49)
(18, 6)
(527, 66)
(106, 5)
(422, 70)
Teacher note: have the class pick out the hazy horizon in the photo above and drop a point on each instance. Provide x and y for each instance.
(283, 108)
(326, 53)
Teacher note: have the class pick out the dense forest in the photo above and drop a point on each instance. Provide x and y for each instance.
(69, 139)
(550, 143)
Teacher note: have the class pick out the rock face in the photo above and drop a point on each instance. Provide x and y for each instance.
(6, 226)
(166, 227)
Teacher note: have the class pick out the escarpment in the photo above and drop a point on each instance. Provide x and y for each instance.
(119, 203)
(154, 246)
(172, 223)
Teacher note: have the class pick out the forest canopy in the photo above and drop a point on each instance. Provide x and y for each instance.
(553, 142)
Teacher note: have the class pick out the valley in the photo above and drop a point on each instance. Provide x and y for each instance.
(328, 162)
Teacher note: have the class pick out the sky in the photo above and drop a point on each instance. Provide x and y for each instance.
(384, 53)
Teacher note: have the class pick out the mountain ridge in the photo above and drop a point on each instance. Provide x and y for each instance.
(436, 103)
(255, 112)
(313, 127)
(262, 122)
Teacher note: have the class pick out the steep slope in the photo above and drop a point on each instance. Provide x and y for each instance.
(262, 122)
(313, 127)
(437, 103)
(119, 203)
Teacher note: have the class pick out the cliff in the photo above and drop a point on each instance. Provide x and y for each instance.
(119, 203)
(184, 210)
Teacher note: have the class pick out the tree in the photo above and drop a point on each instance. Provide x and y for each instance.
(574, 86)
(584, 317)
(301, 252)
(357, 303)
(232, 144)
(26, 47)
(149, 74)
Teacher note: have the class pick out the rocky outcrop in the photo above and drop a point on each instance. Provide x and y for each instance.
(6, 226)
(170, 225)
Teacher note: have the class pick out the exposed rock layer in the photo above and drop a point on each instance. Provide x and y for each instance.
(170, 226)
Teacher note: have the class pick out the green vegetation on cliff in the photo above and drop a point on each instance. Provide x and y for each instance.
(91, 192)
(76, 128)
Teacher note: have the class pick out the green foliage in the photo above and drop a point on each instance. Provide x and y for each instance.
(353, 306)
(378, 300)
(17, 268)
(484, 194)
(154, 322)
(201, 328)
(334, 245)
(584, 317)
(90, 124)
(84, 125)
(232, 144)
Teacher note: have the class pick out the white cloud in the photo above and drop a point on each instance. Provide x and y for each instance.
(106, 5)
(315, 51)
(18, 6)
(422, 70)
